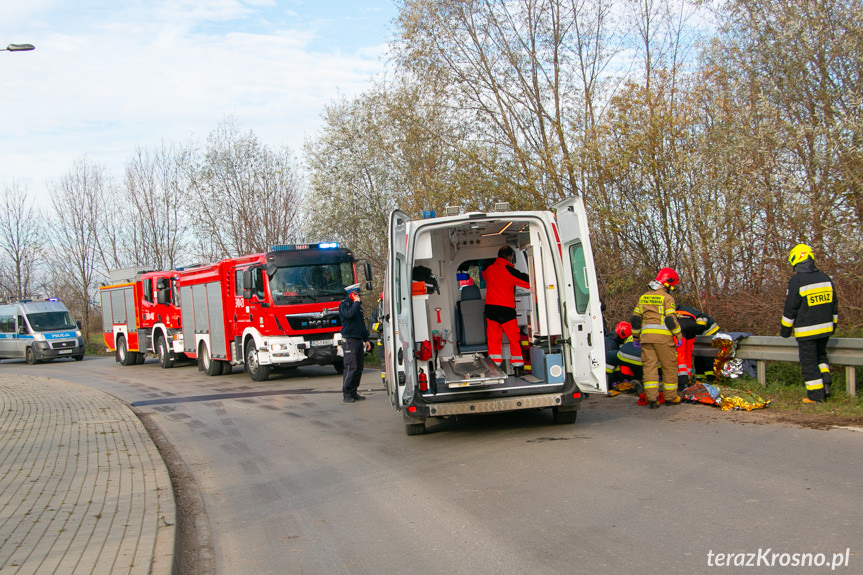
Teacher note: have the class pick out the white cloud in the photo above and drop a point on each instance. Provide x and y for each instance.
(107, 77)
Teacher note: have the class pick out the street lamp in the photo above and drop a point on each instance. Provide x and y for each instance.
(18, 48)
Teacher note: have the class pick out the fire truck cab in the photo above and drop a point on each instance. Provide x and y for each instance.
(265, 311)
(434, 330)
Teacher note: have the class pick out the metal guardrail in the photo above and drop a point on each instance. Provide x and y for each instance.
(845, 351)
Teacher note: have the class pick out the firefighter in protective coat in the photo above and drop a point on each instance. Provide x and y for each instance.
(812, 312)
(655, 326)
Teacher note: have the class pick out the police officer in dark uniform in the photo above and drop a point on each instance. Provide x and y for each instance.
(812, 311)
(355, 343)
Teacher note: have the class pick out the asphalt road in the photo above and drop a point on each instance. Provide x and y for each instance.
(294, 481)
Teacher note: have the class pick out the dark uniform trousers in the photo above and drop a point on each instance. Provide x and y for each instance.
(354, 354)
(814, 367)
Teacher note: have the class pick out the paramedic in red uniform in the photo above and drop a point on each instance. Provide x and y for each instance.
(501, 278)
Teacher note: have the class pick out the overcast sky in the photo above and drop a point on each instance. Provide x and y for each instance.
(108, 76)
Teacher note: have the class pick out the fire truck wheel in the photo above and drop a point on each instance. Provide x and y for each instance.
(126, 357)
(339, 365)
(210, 366)
(166, 358)
(256, 371)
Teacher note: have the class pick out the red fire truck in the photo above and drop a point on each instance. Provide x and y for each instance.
(140, 315)
(270, 310)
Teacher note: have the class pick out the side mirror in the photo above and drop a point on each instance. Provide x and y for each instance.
(367, 270)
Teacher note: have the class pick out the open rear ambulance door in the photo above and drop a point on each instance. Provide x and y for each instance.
(583, 311)
(399, 359)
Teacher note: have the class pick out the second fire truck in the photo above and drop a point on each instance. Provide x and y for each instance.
(140, 315)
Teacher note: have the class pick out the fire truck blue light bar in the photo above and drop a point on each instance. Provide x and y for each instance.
(298, 247)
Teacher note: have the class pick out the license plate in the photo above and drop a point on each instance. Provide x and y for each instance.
(321, 343)
(66, 351)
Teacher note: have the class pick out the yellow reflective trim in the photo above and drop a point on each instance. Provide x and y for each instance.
(808, 330)
(815, 384)
(656, 331)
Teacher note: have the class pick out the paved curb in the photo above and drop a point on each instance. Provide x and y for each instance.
(83, 489)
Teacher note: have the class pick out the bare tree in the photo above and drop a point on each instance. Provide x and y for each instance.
(76, 259)
(20, 242)
(528, 72)
(153, 198)
(243, 196)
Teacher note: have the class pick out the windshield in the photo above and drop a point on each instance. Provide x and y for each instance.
(311, 283)
(51, 321)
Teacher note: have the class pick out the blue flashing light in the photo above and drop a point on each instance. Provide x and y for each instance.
(298, 247)
(428, 214)
(53, 299)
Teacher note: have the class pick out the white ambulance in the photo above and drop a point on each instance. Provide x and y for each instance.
(434, 330)
(39, 331)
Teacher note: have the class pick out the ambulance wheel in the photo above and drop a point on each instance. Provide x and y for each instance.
(166, 358)
(30, 356)
(415, 428)
(209, 365)
(339, 365)
(125, 356)
(564, 417)
(256, 371)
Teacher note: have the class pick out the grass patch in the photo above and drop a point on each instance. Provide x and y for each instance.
(785, 388)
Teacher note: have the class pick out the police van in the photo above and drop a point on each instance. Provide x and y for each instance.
(436, 353)
(39, 331)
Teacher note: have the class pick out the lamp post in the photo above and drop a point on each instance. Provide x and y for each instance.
(18, 48)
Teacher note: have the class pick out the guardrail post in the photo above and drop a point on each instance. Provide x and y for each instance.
(851, 380)
(761, 367)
